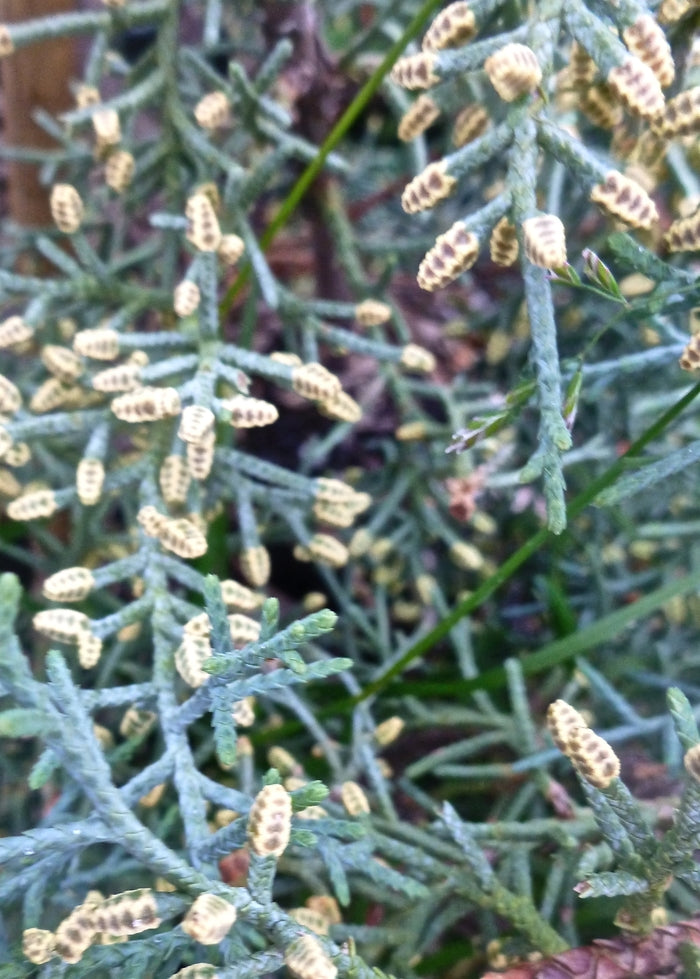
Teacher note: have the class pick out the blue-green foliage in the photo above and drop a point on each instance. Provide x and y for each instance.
(174, 695)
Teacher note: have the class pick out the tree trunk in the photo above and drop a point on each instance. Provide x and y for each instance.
(33, 77)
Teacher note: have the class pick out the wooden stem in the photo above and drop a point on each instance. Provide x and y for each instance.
(34, 77)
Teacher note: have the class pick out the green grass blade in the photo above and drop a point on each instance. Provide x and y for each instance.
(560, 650)
(358, 104)
(511, 565)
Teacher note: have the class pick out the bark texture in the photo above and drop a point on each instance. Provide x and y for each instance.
(628, 957)
(33, 77)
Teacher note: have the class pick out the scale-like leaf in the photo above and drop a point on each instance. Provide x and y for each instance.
(650, 475)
